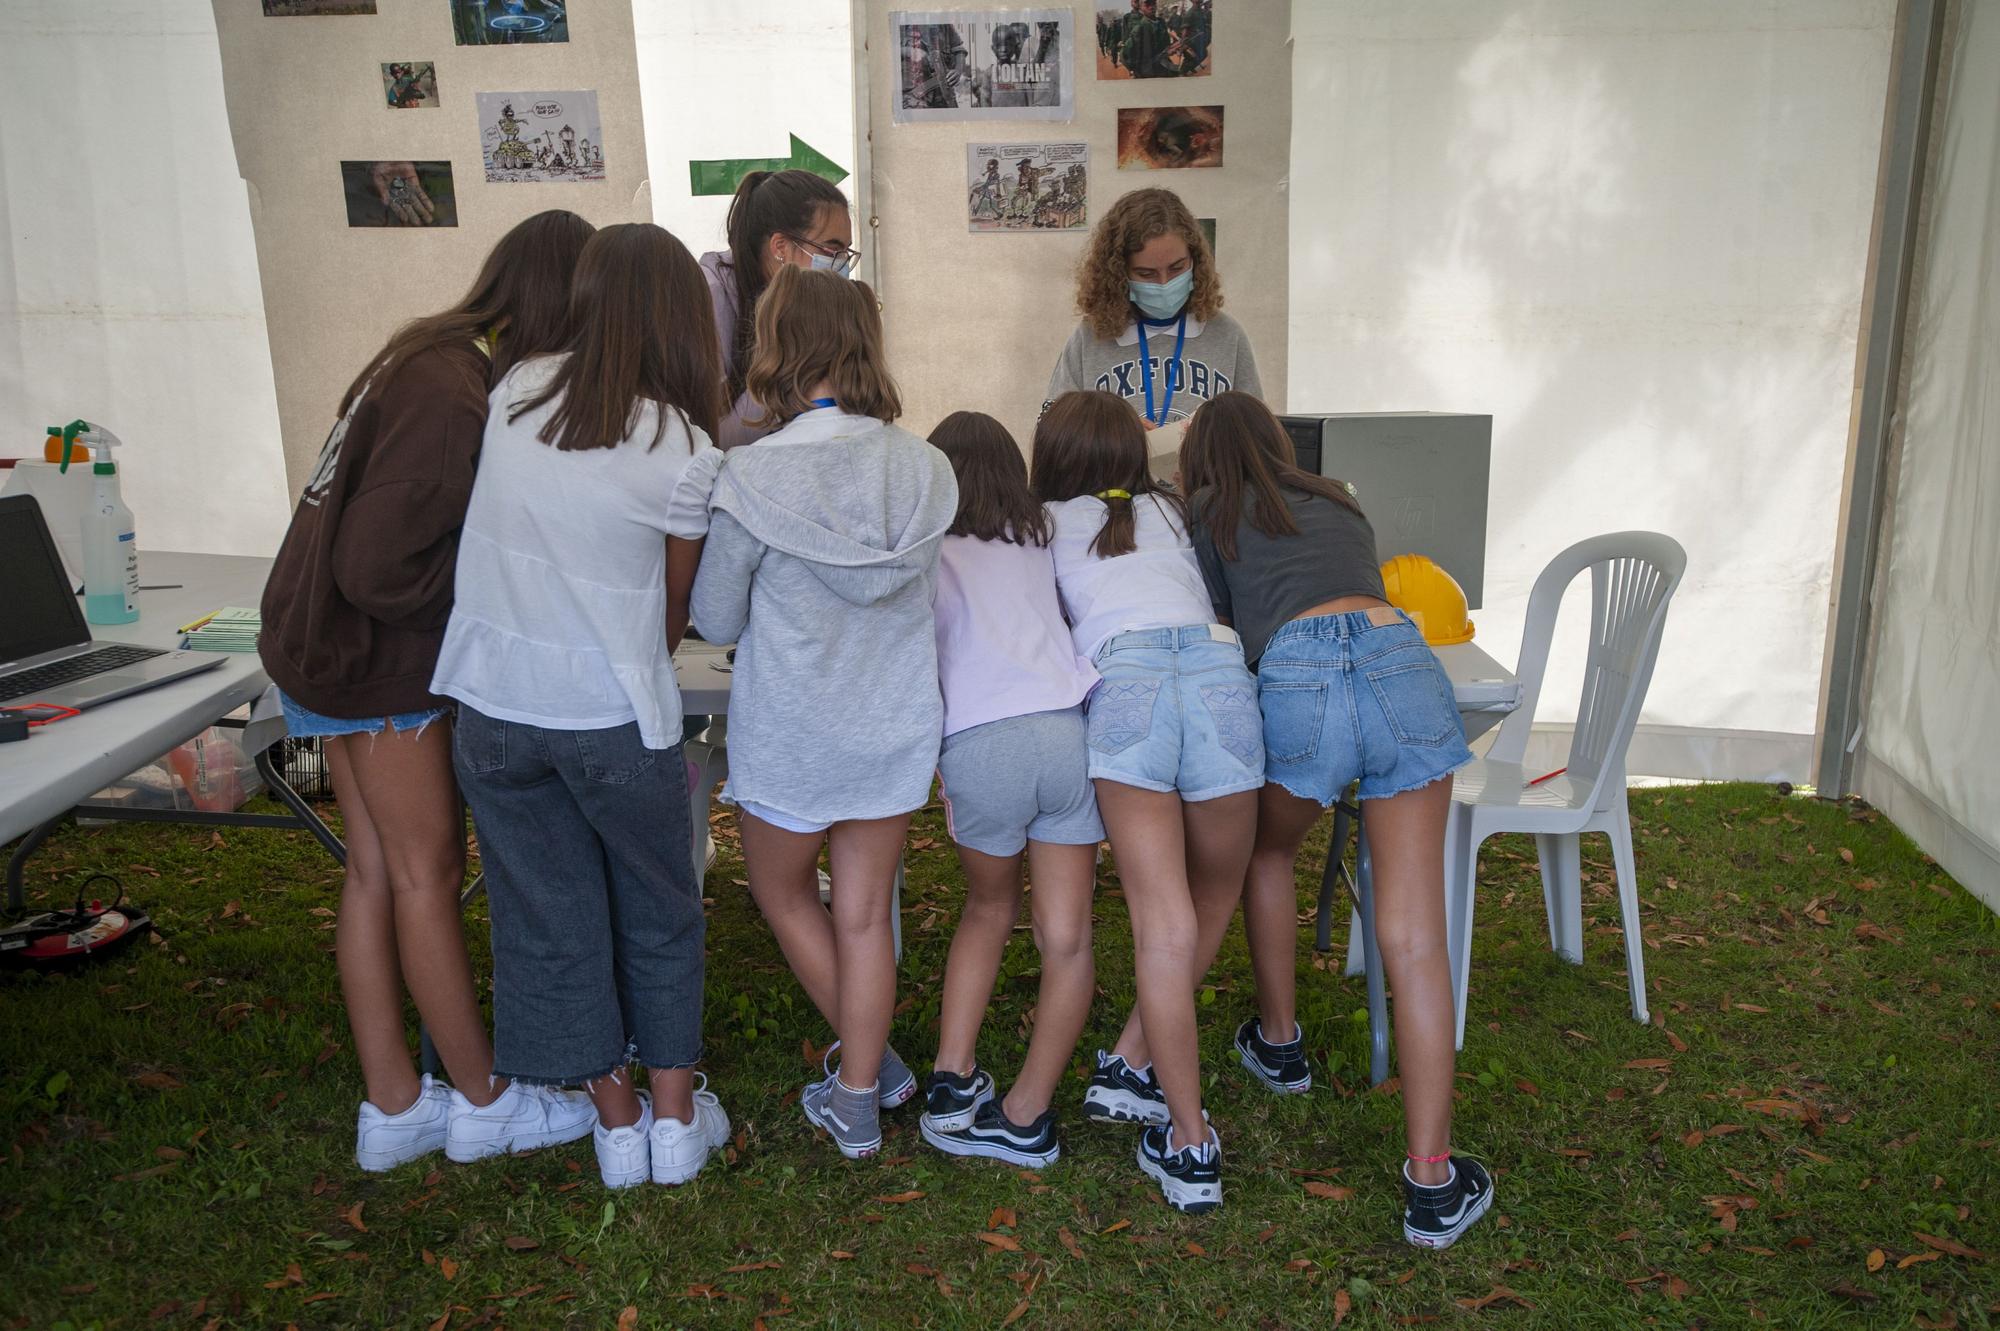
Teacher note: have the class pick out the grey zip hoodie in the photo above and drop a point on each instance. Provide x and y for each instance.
(821, 558)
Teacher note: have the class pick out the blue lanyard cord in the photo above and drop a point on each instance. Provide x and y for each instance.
(823, 402)
(1173, 379)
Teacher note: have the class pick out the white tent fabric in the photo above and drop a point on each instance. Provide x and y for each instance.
(1636, 235)
(128, 276)
(1931, 739)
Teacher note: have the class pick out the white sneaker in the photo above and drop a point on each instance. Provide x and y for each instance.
(522, 1119)
(625, 1154)
(681, 1149)
(383, 1141)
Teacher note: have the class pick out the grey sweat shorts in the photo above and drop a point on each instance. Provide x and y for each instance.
(1020, 779)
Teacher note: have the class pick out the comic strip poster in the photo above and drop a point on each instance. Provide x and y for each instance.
(1155, 39)
(543, 136)
(399, 194)
(410, 85)
(508, 22)
(1169, 138)
(1027, 186)
(984, 64)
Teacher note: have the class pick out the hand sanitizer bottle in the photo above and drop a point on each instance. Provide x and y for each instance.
(110, 552)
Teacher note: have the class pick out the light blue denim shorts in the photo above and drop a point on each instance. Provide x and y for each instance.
(1176, 710)
(304, 723)
(1346, 699)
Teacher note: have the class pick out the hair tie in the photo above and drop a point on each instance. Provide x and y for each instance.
(1114, 494)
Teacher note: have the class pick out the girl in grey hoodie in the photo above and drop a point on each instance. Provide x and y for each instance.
(821, 557)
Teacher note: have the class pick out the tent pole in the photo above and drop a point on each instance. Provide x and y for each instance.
(1906, 129)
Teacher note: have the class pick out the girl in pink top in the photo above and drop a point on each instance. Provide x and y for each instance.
(1016, 775)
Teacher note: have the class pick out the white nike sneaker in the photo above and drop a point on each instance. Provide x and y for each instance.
(681, 1149)
(522, 1119)
(383, 1141)
(624, 1155)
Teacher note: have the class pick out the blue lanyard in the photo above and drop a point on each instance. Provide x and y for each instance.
(823, 402)
(1173, 380)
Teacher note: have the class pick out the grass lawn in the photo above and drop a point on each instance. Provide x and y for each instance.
(1808, 1136)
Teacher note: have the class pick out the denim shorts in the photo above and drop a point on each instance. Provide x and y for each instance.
(1020, 779)
(1346, 699)
(1176, 710)
(304, 723)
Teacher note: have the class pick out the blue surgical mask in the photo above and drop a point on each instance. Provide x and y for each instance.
(1162, 300)
(840, 265)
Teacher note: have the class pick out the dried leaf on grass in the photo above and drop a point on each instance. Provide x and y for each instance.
(1950, 1247)
(628, 1318)
(1069, 1243)
(898, 1198)
(1329, 1191)
(1498, 1294)
(352, 1215)
(1004, 1242)
(1343, 1303)
(521, 1243)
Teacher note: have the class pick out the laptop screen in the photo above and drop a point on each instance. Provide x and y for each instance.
(38, 607)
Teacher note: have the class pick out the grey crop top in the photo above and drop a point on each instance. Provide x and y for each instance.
(1273, 578)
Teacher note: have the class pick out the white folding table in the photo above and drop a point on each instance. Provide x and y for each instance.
(61, 764)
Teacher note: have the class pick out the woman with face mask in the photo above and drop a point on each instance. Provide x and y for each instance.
(1153, 330)
(778, 219)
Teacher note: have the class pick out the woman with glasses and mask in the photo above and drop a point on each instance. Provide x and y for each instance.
(778, 219)
(1153, 330)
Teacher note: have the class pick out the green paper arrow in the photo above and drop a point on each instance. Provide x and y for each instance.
(721, 177)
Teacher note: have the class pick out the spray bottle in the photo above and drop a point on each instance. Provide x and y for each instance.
(110, 554)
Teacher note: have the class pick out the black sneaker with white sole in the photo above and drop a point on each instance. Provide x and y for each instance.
(1121, 1093)
(991, 1136)
(1281, 1067)
(950, 1101)
(1435, 1216)
(1190, 1178)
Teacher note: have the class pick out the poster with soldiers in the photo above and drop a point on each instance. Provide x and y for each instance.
(984, 64)
(546, 136)
(1155, 39)
(1027, 186)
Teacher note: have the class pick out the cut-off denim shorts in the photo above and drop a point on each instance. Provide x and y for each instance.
(1347, 699)
(304, 723)
(1176, 710)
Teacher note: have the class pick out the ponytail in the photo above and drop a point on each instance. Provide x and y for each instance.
(766, 204)
(1091, 443)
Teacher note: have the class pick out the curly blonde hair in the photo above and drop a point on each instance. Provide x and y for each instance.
(1139, 217)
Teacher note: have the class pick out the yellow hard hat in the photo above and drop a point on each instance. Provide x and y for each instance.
(1430, 596)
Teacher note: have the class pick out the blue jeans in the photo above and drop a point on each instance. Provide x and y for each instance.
(1176, 710)
(596, 902)
(1347, 699)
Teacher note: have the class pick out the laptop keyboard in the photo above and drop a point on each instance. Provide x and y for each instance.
(41, 679)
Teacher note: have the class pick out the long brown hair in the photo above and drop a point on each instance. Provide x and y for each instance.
(1103, 275)
(643, 332)
(767, 203)
(1091, 443)
(994, 501)
(1234, 446)
(522, 289)
(814, 328)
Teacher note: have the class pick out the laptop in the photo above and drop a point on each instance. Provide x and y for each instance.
(46, 652)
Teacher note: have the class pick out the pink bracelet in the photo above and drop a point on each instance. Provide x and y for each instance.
(1429, 1159)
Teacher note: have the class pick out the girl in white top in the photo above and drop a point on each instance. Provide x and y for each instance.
(1016, 776)
(1177, 754)
(571, 595)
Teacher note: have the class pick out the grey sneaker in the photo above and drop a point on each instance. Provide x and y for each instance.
(894, 1082)
(852, 1118)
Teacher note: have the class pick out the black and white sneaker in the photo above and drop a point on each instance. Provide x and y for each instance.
(1121, 1093)
(991, 1136)
(1281, 1067)
(1190, 1178)
(950, 1101)
(1434, 1217)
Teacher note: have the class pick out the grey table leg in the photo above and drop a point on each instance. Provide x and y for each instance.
(1378, 1000)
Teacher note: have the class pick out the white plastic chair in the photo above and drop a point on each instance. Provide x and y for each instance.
(1633, 575)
